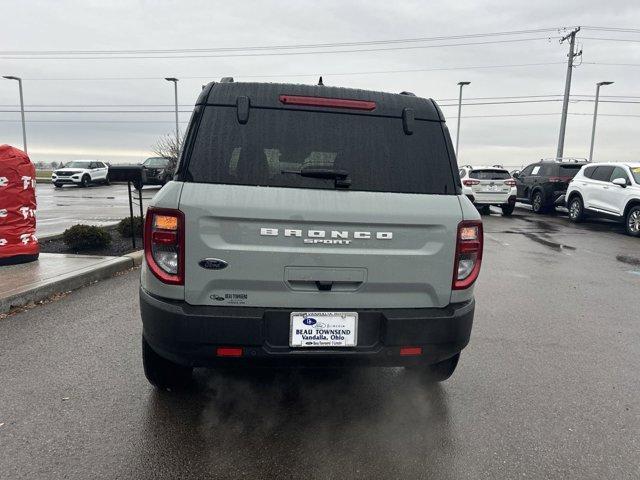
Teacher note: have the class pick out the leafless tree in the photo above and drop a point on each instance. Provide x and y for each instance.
(169, 147)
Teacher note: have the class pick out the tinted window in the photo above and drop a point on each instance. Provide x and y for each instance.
(527, 171)
(156, 162)
(489, 174)
(77, 164)
(619, 172)
(636, 174)
(588, 172)
(569, 170)
(602, 173)
(274, 145)
(547, 170)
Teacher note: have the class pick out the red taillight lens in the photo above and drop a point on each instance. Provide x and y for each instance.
(327, 102)
(470, 183)
(559, 179)
(511, 183)
(229, 351)
(468, 254)
(164, 244)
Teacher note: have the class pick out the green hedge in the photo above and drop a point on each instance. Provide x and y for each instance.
(124, 227)
(86, 237)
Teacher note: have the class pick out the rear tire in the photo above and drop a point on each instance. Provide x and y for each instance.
(438, 372)
(537, 202)
(162, 373)
(576, 209)
(632, 221)
(507, 210)
(484, 209)
(107, 180)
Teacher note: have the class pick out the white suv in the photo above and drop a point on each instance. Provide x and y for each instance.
(486, 186)
(82, 173)
(610, 190)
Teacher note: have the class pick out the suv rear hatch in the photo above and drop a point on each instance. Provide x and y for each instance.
(489, 182)
(318, 208)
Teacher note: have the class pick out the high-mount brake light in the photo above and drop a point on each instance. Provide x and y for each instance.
(469, 245)
(328, 102)
(469, 183)
(164, 244)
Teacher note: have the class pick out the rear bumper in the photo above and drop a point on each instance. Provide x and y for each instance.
(492, 199)
(189, 335)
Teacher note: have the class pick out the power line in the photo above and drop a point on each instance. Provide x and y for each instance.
(316, 74)
(271, 54)
(276, 47)
(611, 39)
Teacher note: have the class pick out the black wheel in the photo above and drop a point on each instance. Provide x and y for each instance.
(576, 209)
(632, 222)
(57, 185)
(107, 180)
(137, 186)
(84, 182)
(163, 373)
(507, 209)
(537, 202)
(438, 372)
(484, 209)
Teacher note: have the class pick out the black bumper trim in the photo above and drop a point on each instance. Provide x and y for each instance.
(189, 334)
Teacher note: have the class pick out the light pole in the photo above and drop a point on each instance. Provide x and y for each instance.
(462, 84)
(595, 116)
(175, 90)
(24, 130)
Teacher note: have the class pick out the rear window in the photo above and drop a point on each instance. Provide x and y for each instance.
(276, 143)
(569, 170)
(489, 174)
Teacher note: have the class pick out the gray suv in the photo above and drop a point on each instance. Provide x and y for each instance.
(309, 226)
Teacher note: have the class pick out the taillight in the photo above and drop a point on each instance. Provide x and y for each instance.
(164, 244)
(511, 183)
(327, 102)
(469, 183)
(468, 254)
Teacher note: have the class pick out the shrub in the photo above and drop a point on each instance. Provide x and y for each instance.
(124, 227)
(86, 237)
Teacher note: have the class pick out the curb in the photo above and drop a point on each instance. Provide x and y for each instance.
(70, 281)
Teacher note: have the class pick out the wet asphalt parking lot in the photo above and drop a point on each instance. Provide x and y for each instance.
(549, 386)
(60, 208)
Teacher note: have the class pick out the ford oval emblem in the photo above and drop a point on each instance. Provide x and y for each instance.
(213, 263)
(309, 321)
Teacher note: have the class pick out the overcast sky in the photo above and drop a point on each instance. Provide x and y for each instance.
(152, 25)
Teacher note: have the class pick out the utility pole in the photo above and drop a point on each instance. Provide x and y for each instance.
(567, 88)
(462, 84)
(24, 130)
(175, 91)
(595, 116)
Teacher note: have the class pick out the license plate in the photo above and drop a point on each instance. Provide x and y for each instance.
(491, 188)
(323, 329)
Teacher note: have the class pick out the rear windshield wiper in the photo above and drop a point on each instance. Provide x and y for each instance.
(341, 177)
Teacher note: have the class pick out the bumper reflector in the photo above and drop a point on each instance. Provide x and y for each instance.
(229, 351)
(410, 351)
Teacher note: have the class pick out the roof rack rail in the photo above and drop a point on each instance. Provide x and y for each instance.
(565, 160)
(408, 93)
(226, 80)
(497, 166)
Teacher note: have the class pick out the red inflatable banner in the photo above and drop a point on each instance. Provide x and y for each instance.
(18, 242)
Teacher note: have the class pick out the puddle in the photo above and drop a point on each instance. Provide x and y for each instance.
(558, 247)
(628, 260)
(545, 226)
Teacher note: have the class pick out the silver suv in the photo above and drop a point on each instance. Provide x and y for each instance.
(310, 225)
